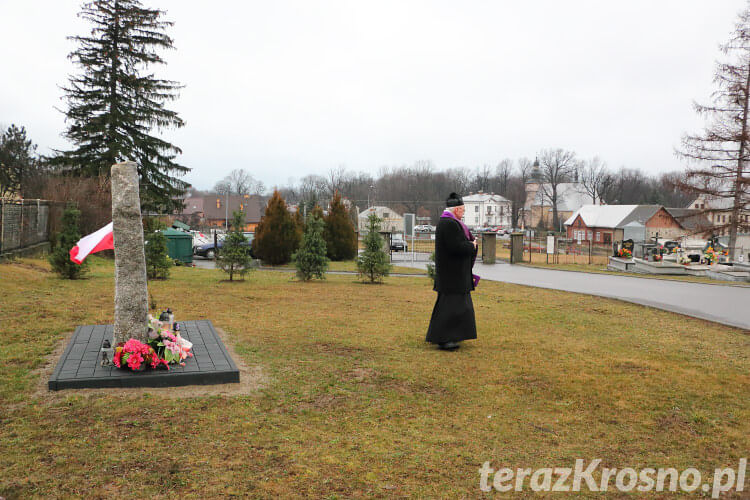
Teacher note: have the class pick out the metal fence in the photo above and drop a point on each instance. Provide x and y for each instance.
(566, 251)
(419, 248)
(25, 223)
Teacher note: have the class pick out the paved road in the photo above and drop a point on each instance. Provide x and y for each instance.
(725, 304)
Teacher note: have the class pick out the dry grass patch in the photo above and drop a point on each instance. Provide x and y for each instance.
(354, 403)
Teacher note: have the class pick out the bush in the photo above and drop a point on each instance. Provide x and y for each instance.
(310, 259)
(68, 237)
(373, 263)
(234, 257)
(277, 236)
(157, 258)
(431, 268)
(341, 240)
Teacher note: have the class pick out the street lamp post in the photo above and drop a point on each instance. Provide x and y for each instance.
(226, 212)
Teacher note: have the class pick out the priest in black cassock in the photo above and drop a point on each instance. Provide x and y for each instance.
(455, 252)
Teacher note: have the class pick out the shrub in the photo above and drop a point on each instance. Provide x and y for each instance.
(157, 258)
(373, 263)
(234, 257)
(341, 240)
(68, 237)
(310, 259)
(277, 236)
(431, 268)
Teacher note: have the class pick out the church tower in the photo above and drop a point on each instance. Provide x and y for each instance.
(533, 183)
(535, 176)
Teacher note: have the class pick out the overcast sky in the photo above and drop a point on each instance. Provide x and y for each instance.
(287, 88)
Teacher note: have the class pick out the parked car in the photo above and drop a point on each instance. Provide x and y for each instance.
(424, 228)
(398, 243)
(209, 252)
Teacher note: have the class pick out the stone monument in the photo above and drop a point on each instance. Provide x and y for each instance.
(131, 292)
(80, 365)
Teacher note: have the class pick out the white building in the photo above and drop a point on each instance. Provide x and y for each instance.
(487, 209)
(392, 222)
(719, 212)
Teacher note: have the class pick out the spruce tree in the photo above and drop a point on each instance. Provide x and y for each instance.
(341, 240)
(234, 257)
(310, 259)
(157, 257)
(373, 263)
(19, 162)
(277, 236)
(69, 235)
(116, 101)
(316, 211)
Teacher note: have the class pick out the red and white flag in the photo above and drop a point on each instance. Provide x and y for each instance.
(95, 242)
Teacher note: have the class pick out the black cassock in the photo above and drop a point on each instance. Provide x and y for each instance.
(453, 315)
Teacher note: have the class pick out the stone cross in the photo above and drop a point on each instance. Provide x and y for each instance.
(131, 293)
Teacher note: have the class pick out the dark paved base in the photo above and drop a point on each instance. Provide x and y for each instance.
(80, 365)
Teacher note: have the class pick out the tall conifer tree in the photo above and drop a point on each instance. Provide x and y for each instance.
(373, 263)
(341, 240)
(234, 257)
(277, 235)
(310, 260)
(115, 102)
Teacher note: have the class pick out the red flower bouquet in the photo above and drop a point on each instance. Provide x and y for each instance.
(163, 347)
(136, 356)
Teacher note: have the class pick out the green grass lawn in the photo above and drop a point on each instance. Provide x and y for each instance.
(355, 403)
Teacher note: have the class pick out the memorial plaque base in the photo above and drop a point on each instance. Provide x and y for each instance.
(80, 365)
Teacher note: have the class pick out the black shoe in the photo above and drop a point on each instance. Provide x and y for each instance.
(449, 346)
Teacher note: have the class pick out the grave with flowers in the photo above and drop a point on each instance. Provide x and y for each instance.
(139, 350)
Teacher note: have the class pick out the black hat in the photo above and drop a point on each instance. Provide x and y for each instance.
(454, 200)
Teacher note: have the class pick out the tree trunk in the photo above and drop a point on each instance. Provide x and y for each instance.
(554, 207)
(114, 60)
(738, 188)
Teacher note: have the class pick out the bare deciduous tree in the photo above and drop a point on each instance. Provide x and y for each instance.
(335, 180)
(503, 173)
(223, 187)
(594, 174)
(557, 166)
(723, 145)
(483, 178)
(240, 181)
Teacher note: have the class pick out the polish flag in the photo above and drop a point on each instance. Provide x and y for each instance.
(95, 242)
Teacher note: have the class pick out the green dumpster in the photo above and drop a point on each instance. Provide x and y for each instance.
(179, 245)
(180, 226)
